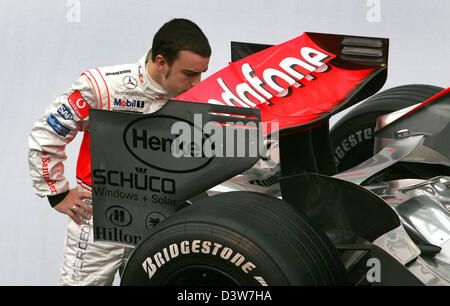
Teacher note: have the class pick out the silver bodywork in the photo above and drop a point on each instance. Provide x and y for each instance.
(423, 206)
(421, 153)
(384, 120)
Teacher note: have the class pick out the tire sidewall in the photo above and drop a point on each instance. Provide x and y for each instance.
(350, 134)
(199, 245)
(353, 142)
(263, 241)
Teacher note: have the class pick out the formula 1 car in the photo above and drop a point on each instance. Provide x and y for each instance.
(318, 207)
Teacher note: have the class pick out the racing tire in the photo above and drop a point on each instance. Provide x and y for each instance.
(237, 239)
(352, 135)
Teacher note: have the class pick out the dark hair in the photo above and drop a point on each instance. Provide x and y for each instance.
(179, 34)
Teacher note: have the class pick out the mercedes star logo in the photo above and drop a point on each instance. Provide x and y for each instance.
(130, 82)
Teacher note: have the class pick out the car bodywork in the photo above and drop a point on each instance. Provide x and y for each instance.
(369, 211)
(419, 238)
(420, 201)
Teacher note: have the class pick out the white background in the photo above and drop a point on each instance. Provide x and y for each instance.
(46, 44)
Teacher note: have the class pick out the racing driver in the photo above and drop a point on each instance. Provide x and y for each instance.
(179, 55)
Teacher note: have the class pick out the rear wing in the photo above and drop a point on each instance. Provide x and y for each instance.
(357, 71)
(299, 83)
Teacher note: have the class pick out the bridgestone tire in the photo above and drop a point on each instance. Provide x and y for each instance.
(352, 136)
(236, 238)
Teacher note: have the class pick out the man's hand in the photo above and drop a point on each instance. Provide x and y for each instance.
(74, 206)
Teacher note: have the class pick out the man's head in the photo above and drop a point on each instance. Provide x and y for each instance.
(180, 54)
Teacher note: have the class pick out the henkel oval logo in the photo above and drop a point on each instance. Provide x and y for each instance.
(150, 141)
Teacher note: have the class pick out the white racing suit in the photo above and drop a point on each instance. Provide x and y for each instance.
(122, 87)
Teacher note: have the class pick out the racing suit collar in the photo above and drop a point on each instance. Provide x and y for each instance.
(149, 82)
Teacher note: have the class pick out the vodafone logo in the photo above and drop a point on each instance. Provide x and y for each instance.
(81, 103)
(274, 80)
(78, 104)
(266, 78)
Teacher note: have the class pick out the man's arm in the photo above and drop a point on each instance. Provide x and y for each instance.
(59, 125)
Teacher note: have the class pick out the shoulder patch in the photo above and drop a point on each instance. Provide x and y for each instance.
(78, 104)
(57, 126)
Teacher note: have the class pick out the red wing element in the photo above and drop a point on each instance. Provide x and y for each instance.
(295, 83)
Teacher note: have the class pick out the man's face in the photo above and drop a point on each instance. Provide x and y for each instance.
(184, 73)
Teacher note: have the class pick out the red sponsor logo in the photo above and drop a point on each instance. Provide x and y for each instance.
(79, 105)
(263, 77)
(292, 83)
(46, 173)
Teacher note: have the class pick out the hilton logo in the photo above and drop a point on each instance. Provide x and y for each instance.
(118, 216)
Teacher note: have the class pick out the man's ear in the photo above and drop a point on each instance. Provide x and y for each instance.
(161, 63)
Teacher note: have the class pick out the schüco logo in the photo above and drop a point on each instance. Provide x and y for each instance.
(149, 140)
